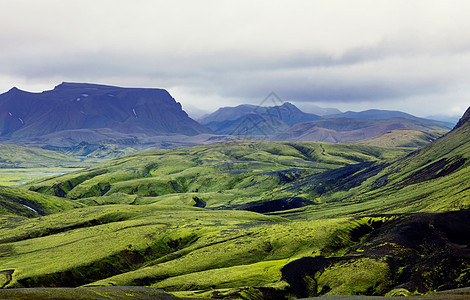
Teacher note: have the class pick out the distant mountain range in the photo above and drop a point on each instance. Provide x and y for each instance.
(78, 106)
(88, 118)
(378, 114)
(372, 114)
(288, 123)
(255, 120)
(340, 130)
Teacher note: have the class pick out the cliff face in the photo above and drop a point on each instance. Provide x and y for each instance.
(71, 106)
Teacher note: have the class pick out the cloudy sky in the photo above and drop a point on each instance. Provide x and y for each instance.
(408, 55)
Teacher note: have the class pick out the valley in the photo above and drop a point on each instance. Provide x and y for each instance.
(193, 213)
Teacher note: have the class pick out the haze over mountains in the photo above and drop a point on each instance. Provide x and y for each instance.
(238, 219)
(252, 119)
(82, 118)
(250, 219)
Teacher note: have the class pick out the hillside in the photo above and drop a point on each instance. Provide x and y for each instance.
(16, 202)
(433, 178)
(71, 106)
(19, 164)
(239, 174)
(403, 138)
(17, 156)
(253, 220)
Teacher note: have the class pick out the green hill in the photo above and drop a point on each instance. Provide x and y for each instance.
(251, 220)
(403, 138)
(18, 202)
(221, 175)
(19, 164)
(17, 156)
(431, 179)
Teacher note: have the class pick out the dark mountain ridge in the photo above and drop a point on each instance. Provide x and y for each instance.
(252, 119)
(72, 106)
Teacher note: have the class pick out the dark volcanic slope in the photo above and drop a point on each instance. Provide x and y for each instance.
(88, 106)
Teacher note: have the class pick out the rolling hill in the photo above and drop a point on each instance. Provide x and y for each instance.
(238, 174)
(432, 178)
(253, 220)
(403, 138)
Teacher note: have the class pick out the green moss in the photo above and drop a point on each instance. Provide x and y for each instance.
(256, 274)
(360, 277)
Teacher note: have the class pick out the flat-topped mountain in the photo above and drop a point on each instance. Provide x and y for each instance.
(72, 106)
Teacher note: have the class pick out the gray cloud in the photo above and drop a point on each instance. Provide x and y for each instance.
(389, 54)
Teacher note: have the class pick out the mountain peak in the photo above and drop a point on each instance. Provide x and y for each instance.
(14, 90)
(464, 119)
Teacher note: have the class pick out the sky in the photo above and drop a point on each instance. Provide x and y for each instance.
(411, 55)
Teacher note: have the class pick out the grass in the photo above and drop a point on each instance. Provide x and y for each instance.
(25, 203)
(91, 293)
(18, 176)
(222, 174)
(363, 276)
(17, 156)
(149, 243)
(403, 138)
(132, 221)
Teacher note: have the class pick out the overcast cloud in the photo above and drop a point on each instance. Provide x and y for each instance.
(402, 55)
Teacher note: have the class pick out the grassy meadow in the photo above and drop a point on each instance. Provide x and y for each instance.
(247, 220)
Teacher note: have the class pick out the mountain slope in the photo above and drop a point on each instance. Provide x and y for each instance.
(433, 178)
(17, 156)
(370, 227)
(251, 119)
(19, 202)
(347, 130)
(372, 114)
(72, 106)
(403, 138)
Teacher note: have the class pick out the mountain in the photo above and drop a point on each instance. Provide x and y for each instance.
(445, 119)
(251, 220)
(72, 106)
(372, 114)
(433, 178)
(403, 138)
(256, 120)
(228, 113)
(378, 114)
(338, 130)
(320, 111)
